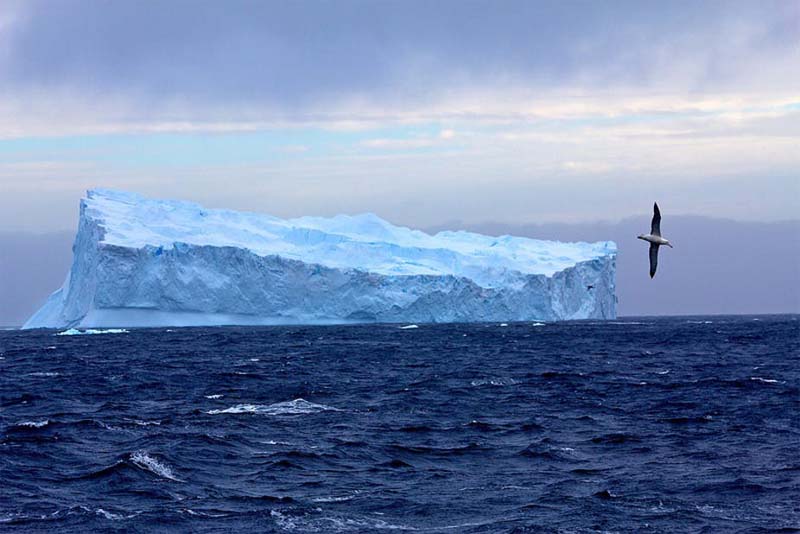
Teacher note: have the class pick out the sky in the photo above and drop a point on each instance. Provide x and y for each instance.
(422, 112)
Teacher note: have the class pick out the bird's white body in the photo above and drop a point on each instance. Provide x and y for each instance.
(657, 239)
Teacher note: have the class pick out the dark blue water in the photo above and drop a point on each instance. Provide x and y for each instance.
(647, 425)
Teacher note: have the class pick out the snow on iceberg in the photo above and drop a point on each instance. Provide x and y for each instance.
(143, 262)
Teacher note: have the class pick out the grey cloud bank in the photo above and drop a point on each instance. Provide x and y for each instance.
(299, 57)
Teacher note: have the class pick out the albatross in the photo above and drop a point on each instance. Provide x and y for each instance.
(655, 239)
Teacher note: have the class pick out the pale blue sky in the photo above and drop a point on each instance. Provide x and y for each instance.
(422, 112)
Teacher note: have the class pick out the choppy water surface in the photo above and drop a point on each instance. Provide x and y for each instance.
(676, 424)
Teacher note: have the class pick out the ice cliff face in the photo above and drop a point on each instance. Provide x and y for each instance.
(141, 262)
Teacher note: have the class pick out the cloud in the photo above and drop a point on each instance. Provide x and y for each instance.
(108, 67)
(411, 143)
(421, 111)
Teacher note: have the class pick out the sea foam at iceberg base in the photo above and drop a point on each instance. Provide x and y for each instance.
(143, 262)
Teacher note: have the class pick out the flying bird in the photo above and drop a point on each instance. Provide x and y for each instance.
(655, 239)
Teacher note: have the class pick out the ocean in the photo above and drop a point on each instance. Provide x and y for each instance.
(677, 424)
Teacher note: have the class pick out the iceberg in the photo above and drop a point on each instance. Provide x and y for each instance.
(139, 262)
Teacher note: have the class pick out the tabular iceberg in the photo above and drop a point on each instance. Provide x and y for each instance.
(142, 262)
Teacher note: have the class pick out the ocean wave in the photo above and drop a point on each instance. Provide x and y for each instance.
(764, 380)
(616, 438)
(605, 495)
(396, 464)
(543, 450)
(317, 521)
(144, 461)
(91, 331)
(33, 424)
(494, 382)
(439, 451)
(139, 422)
(337, 498)
(417, 428)
(198, 513)
(483, 426)
(293, 407)
(273, 442)
(314, 521)
(112, 516)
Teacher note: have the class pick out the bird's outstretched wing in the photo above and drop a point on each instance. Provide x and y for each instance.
(655, 225)
(653, 259)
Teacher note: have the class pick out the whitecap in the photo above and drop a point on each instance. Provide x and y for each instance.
(764, 380)
(147, 462)
(43, 374)
(462, 526)
(494, 382)
(409, 327)
(273, 442)
(201, 514)
(109, 515)
(317, 523)
(293, 407)
(255, 360)
(91, 331)
(339, 498)
(503, 324)
(34, 424)
(143, 423)
(538, 324)
(216, 396)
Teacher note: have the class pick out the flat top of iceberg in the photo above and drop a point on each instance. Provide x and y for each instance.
(365, 242)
